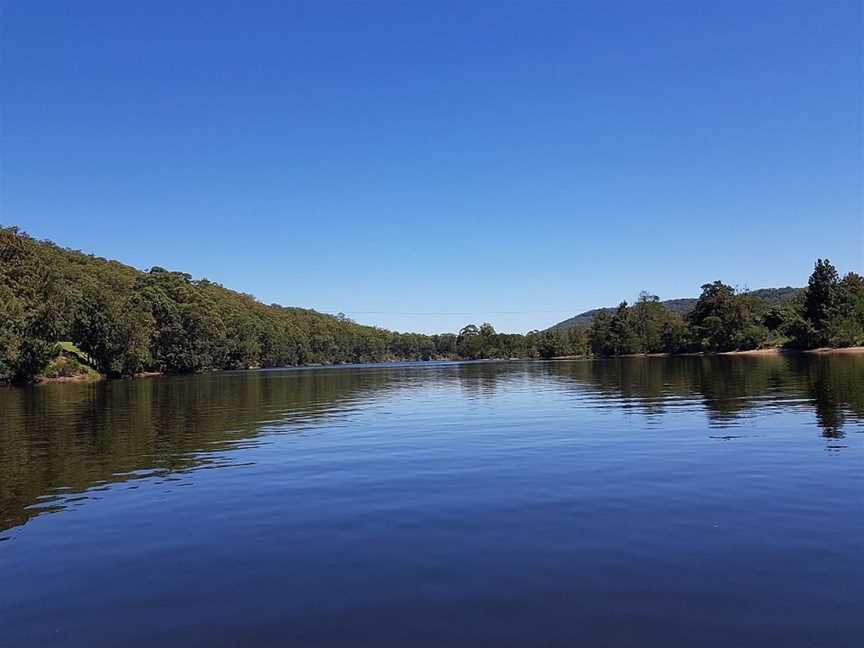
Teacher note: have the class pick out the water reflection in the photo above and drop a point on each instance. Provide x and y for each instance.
(58, 441)
(731, 387)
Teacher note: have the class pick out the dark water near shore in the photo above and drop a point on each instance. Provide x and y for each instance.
(632, 502)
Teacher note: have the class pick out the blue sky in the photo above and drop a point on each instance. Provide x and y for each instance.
(422, 165)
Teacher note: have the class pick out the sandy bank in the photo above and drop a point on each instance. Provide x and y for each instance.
(80, 378)
(820, 351)
(752, 352)
(843, 351)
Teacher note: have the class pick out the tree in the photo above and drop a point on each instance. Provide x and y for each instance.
(648, 317)
(551, 344)
(93, 327)
(821, 300)
(675, 335)
(625, 340)
(600, 335)
(777, 318)
(486, 330)
(445, 344)
(577, 340)
(243, 346)
(31, 309)
(132, 335)
(28, 339)
(469, 344)
(846, 327)
(614, 334)
(469, 331)
(723, 320)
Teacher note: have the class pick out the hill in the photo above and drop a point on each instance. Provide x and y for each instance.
(129, 321)
(681, 306)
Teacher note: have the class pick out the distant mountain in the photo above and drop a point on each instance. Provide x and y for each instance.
(681, 306)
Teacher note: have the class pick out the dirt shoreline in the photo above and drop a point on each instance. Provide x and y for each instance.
(845, 350)
(819, 351)
(81, 378)
(753, 352)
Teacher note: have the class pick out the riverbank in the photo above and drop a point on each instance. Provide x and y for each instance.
(857, 350)
(781, 351)
(843, 351)
(80, 378)
(776, 351)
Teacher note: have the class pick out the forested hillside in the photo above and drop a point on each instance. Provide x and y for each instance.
(123, 321)
(771, 296)
(128, 321)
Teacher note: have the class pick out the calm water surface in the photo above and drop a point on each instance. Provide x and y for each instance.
(634, 502)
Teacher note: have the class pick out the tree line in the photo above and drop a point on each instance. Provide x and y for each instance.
(828, 313)
(123, 322)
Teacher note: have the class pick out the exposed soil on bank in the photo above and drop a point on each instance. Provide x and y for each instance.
(843, 351)
(80, 378)
(752, 352)
(821, 351)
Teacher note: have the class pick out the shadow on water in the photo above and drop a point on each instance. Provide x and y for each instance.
(63, 439)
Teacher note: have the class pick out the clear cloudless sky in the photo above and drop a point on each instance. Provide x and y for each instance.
(421, 165)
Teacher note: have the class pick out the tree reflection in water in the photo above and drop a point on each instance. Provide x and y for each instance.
(68, 438)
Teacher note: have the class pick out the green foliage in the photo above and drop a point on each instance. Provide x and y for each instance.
(752, 336)
(766, 296)
(724, 320)
(125, 321)
(31, 310)
(832, 312)
(829, 312)
(821, 299)
(717, 318)
(614, 334)
(577, 339)
(67, 365)
(552, 345)
(129, 321)
(675, 335)
(483, 342)
(647, 318)
(645, 327)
